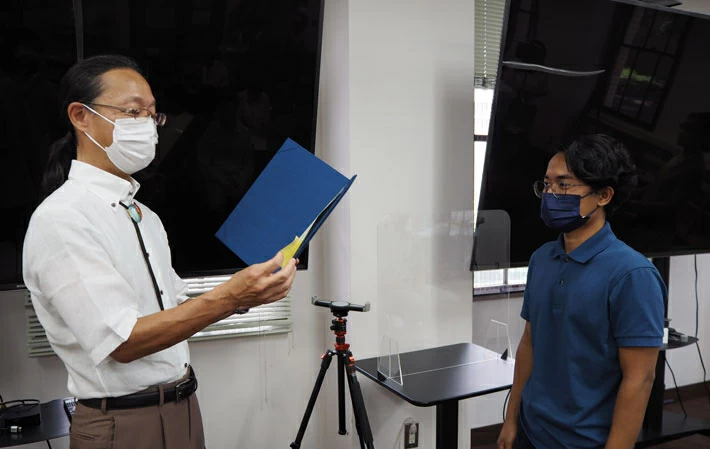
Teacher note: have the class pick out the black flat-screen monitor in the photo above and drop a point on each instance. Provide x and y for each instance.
(236, 78)
(637, 72)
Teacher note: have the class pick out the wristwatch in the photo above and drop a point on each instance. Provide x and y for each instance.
(241, 311)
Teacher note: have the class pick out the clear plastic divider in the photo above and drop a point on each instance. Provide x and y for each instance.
(494, 284)
(424, 290)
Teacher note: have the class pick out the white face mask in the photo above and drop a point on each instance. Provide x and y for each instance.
(134, 140)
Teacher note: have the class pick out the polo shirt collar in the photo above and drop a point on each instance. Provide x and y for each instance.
(590, 248)
(103, 184)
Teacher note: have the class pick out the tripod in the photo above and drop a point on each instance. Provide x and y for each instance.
(346, 366)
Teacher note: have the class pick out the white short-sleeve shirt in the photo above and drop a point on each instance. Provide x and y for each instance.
(89, 282)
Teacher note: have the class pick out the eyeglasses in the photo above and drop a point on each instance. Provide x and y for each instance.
(159, 118)
(541, 188)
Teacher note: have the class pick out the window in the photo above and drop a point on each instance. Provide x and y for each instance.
(494, 282)
(488, 28)
(644, 65)
(489, 282)
(266, 319)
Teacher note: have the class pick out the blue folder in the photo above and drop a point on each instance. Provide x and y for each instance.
(291, 198)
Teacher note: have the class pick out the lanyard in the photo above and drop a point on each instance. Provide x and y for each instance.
(134, 212)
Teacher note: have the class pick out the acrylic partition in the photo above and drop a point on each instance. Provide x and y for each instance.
(497, 299)
(496, 285)
(424, 288)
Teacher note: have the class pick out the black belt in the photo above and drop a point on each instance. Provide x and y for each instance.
(182, 390)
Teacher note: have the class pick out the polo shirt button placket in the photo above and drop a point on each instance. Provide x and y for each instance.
(566, 260)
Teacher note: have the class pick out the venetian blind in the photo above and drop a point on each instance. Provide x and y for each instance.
(488, 26)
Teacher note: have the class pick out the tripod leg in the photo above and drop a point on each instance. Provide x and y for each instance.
(341, 396)
(358, 428)
(327, 357)
(362, 424)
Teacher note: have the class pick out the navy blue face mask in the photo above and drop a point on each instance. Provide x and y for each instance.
(561, 212)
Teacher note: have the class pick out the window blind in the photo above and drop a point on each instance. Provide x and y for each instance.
(37, 344)
(265, 319)
(488, 26)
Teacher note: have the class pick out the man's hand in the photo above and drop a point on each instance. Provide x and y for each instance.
(507, 434)
(260, 283)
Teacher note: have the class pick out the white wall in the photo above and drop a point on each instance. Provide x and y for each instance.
(411, 116)
(682, 310)
(411, 143)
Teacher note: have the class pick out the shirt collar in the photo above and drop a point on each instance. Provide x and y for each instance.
(590, 248)
(106, 186)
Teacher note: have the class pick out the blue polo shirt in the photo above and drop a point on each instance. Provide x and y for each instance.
(582, 307)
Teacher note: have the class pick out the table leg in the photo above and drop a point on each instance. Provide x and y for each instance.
(447, 425)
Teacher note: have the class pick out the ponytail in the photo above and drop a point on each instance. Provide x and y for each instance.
(61, 153)
(82, 84)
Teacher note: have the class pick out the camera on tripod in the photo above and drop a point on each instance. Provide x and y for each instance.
(346, 370)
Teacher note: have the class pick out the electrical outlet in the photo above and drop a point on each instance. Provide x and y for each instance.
(411, 435)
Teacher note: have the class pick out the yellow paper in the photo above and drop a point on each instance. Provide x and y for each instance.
(290, 250)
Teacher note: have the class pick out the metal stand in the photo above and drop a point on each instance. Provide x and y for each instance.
(346, 367)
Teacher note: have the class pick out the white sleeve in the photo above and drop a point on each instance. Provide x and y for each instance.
(180, 288)
(69, 268)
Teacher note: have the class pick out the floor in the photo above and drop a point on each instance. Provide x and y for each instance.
(696, 403)
(697, 407)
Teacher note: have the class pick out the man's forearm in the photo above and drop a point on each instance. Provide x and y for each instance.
(523, 369)
(164, 329)
(629, 411)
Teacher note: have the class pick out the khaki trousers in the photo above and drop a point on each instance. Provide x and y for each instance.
(172, 425)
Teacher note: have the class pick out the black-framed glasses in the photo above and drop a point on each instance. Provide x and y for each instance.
(159, 118)
(555, 188)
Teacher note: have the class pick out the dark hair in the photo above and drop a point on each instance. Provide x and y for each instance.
(602, 161)
(81, 83)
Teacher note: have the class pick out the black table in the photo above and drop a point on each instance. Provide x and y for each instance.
(674, 426)
(442, 376)
(660, 425)
(55, 424)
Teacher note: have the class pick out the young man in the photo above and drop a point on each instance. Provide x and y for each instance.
(594, 311)
(98, 266)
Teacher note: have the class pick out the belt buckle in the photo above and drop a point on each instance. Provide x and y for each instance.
(181, 392)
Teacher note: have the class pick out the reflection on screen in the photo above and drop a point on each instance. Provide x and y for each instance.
(636, 73)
